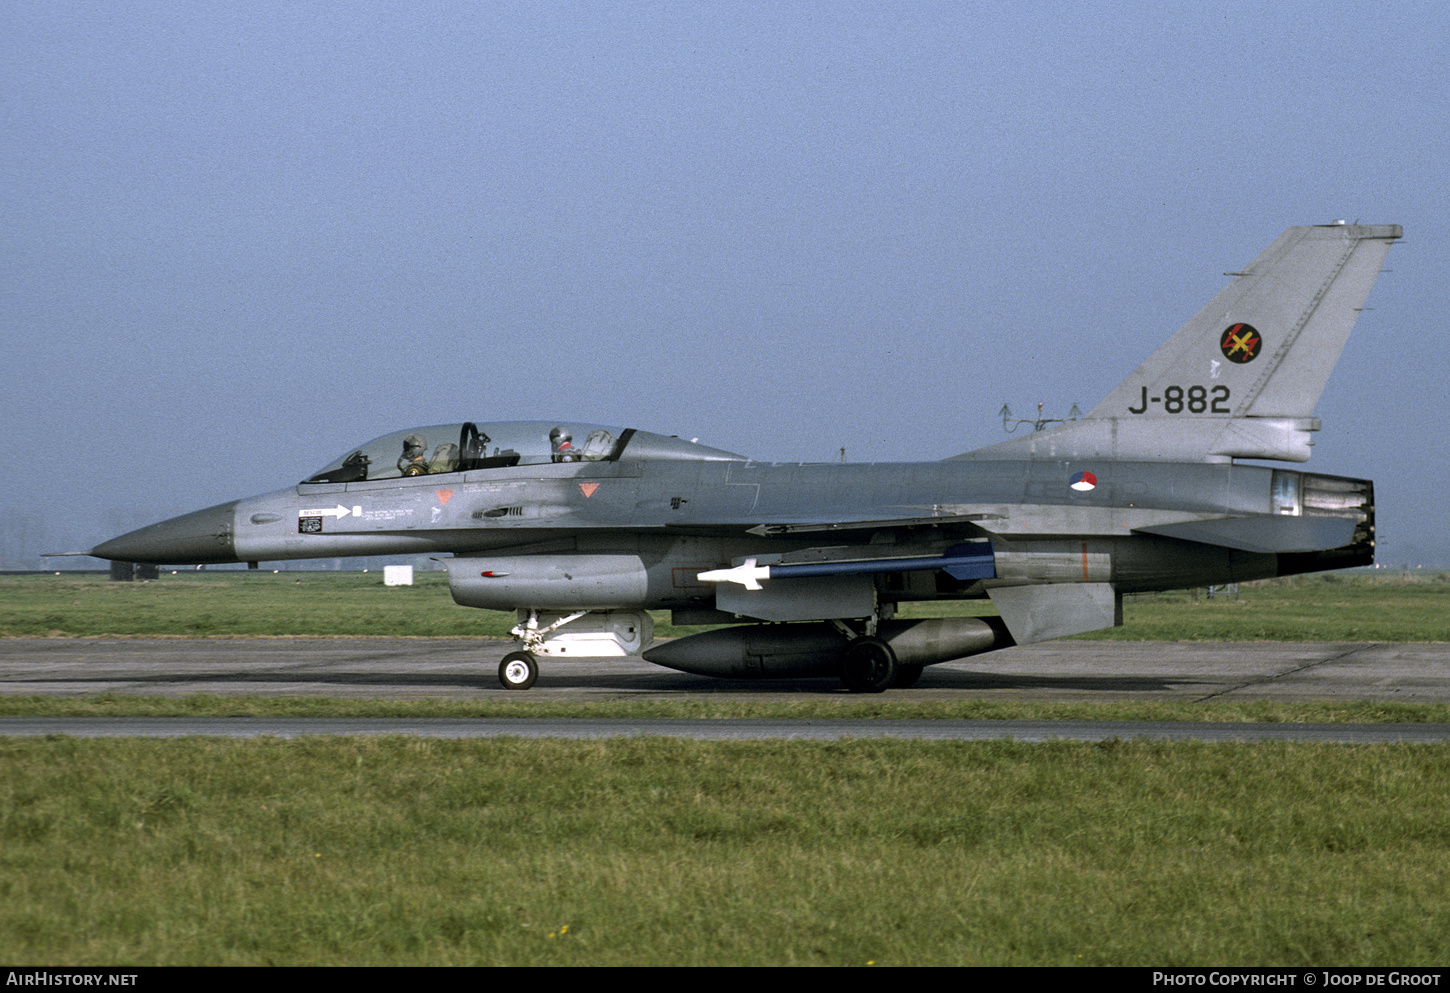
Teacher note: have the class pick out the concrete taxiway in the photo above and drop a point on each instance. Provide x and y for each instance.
(467, 669)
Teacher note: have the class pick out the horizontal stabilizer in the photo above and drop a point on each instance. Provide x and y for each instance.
(1267, 533)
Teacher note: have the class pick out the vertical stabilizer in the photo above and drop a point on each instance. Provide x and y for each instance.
(1271, 337)
(1242, 378)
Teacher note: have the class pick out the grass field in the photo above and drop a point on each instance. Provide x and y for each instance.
(1332, 607)
(826, 706)
(654, 852)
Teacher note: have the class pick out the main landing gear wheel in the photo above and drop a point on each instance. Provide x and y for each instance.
(518, 670)
(868, 665)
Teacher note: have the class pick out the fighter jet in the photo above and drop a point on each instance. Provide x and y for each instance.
(581, 529)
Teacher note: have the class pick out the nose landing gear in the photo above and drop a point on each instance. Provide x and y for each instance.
(518, 670)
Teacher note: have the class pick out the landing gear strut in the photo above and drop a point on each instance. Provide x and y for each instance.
(578, 634)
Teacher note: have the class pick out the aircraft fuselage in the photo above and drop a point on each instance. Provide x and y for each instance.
(681, 518)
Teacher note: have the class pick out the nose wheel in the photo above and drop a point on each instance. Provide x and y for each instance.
(518, 670)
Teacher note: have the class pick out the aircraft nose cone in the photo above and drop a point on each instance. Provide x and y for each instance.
(196, 538)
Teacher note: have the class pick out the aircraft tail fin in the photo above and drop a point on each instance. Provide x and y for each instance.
(1242, 377)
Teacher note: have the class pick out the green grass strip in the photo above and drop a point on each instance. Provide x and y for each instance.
(399, 851)
(837, 707)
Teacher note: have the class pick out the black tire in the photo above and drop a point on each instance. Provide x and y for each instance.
(906, 676)
(868, 665)
(518, 670)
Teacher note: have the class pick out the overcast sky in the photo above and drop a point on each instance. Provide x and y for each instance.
(237, 239)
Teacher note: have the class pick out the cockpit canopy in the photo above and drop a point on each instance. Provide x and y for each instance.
(447, 448)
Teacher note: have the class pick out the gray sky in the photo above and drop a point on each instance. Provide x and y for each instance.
(237, 239)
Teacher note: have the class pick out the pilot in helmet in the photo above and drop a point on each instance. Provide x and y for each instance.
(561, 444)
(414, 460)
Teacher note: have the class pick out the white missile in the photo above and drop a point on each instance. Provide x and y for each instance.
(968, 560)
(747, 574)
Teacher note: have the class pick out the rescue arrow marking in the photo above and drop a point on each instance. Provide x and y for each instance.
(339, 512)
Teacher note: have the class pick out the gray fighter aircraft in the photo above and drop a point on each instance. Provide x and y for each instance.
(582, 528)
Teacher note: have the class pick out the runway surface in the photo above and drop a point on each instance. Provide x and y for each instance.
(390, 668)
(1074, 671)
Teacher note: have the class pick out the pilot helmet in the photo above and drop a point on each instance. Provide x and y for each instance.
(560, 439)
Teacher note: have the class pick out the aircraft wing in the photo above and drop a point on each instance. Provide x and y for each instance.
(1268, 533)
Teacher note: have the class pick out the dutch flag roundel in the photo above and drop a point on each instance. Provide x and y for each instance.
(1083, 482)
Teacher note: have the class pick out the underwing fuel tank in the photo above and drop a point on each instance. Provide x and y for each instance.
(785, 651)
(557, 582)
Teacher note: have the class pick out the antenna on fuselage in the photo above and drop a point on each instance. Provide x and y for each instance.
(1011, 424)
